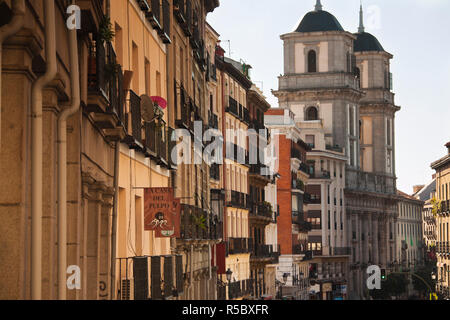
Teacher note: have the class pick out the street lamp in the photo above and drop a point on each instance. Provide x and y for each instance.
(228, 274)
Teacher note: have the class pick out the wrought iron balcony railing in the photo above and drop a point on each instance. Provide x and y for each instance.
(137, 283)
(198, 224)
(238, 246)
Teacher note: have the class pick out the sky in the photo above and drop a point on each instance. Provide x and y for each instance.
(416, 32)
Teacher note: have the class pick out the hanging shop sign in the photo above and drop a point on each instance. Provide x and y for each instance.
(162, 212)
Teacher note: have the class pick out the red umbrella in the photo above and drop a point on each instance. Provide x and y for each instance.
(160, 101)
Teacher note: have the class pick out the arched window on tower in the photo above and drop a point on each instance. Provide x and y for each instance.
(312, 114)
(312, 61)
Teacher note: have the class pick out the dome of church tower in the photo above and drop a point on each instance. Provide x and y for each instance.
(364, 40)
(367, 42)
(319, 20)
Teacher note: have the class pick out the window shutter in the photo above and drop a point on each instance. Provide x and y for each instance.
(140, 272)
(168, 276)
(179, 273)
(156, 278)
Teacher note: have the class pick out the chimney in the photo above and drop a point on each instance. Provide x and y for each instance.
(448, 147)
(418, 188)
(219, 50)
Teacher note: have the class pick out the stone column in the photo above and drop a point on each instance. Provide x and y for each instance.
(382, 244)
(388, 242)
(375, 249)
(366, 235)
(105, 244)
(17, 79)
(95, 204)
(87, 182)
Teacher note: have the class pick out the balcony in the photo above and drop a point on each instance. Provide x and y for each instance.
(195, 39)
(214, 171)
(266, 251)
(236, 199)
(444, 207)
(260, 170)
(179, 11)
(213, 72)
(154, 15)
(340, 251)
(320, 175)
(296, 154)
(134, 137)
(237, 154)
(106, 99)
(187, 26)
(369, 182)
(263, 210)
(184, 118)
(213, 121)
(298, 184)
(238, 246)
(137, 283)
(304, 168)
(156, 143)
(314, 81)
(164, 33)
(335, 148)
(198, 224)
(232, 107)
(240, 289)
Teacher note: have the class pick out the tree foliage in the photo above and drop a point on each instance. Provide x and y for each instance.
(394, 286)
(424, 273)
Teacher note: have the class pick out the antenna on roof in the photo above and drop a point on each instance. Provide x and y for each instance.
(361, 20)
(229, 48)
(318, 5)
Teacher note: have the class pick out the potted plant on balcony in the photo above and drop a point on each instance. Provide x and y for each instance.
(436, 206)
(268, 210)
(105, 31)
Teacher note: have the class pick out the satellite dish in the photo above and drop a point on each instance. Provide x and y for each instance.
(147, 108)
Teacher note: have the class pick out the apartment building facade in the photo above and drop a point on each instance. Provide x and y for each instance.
(236, 120)
(442, 168)
(189, 85)
(292, 227)
(427, 194)
(261, 211)
(409, 246)
(57, 209)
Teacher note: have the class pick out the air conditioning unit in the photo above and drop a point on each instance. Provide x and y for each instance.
(127, 289)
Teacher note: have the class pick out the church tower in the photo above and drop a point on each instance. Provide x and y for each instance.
(377, 108)
(319, 81)
(339, 86)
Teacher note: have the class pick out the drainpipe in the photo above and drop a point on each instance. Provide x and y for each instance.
(18, 8)
(62, 163)
(114, 219)
(36, 149)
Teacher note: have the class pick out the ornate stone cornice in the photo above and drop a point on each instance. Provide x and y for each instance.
(318, 94)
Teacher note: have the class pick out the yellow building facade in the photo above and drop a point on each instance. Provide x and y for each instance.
(442, 167)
